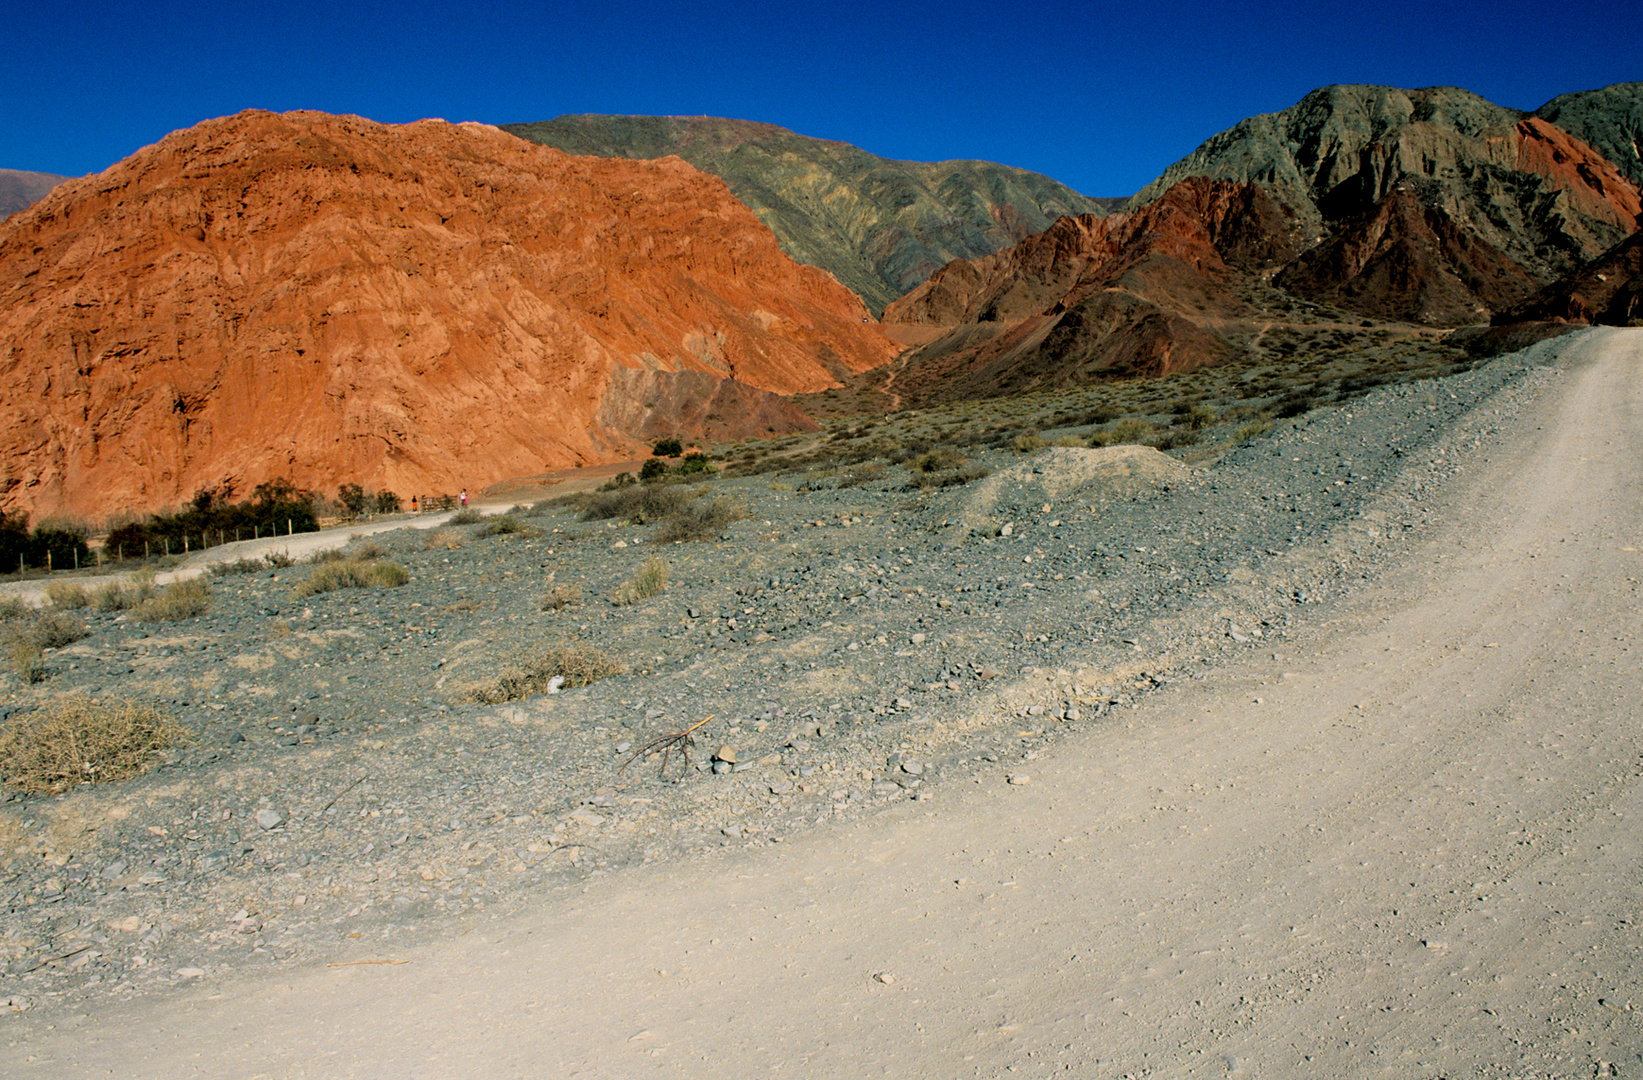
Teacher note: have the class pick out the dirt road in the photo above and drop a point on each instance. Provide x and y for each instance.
(1409, 843)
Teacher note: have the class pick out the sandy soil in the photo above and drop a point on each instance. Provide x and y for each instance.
(1408, 844)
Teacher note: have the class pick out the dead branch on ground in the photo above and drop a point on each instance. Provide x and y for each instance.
(665, 745)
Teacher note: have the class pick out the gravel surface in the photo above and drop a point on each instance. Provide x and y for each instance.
(848, 650)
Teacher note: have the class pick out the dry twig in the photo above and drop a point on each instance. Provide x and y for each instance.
(665, 745)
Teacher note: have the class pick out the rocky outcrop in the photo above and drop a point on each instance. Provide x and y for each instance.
(879, 226)
(20, 189)
(1439, 168)
(414, 308)
(1135, 293)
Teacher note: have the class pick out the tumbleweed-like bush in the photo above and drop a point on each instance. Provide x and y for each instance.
(76, 740)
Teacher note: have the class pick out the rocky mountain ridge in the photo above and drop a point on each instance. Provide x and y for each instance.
(417, 308)
(1426, 207)
(1130, 294)
(879, 226)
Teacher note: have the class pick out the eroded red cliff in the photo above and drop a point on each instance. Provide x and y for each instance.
(412, 308)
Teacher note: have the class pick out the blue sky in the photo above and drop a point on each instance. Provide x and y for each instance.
(1100, 96)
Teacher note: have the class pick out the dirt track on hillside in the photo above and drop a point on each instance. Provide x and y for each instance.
(1408, 844)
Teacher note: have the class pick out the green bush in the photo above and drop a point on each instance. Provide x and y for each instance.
(80, 741)
(654, 469)
(668, 448)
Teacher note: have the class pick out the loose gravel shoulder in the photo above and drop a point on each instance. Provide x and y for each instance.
(835, 651)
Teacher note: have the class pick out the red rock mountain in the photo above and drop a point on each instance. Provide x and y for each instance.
(1127, 294)
(412, 308)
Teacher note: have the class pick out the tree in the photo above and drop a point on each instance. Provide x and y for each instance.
(668, 448)
(352, 498)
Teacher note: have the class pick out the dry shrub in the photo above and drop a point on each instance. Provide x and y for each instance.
(115, 596)
(353, 574)
(67, 594)
(577, 665)
(862, 474)
(465, 517)
(702, 519)
(642, 505)
(177, 601)
(1126, 431)
(448, 539)
(650, 580)
(238, 566)
(53, 630)
(13, 608)
(940, 459)
(1028, 442)
(25, 658)
(79, 741)
(950, 478)
(367, 551)
(561, 597)
(505, 525)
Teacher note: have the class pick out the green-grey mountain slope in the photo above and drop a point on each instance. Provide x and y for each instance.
(879, 226)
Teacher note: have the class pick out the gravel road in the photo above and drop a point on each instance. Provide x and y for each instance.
(1320, 760)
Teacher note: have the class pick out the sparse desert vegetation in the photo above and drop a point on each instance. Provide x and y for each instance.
(76, 740)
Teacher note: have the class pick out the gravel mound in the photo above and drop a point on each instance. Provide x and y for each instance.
(1055, 476)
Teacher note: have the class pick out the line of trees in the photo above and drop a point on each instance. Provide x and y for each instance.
(60, 547)
(275, 508)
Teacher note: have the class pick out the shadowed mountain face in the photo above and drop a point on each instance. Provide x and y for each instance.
(879, 226)
(1609, 120)
(23, 189)
(413, 308)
